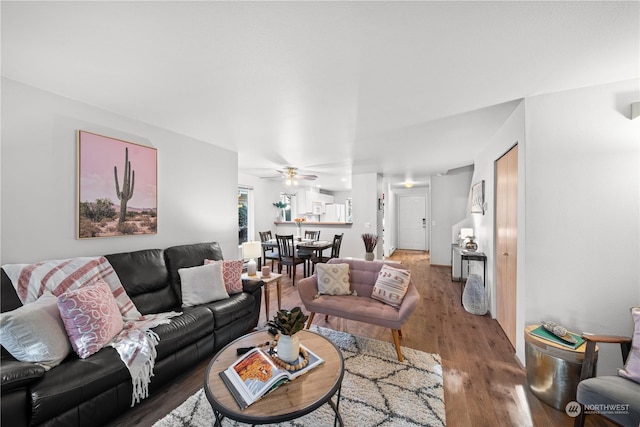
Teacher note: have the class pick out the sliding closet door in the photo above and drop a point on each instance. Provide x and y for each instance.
(506, 241)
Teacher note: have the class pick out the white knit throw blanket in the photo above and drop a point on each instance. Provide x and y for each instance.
(136, 343)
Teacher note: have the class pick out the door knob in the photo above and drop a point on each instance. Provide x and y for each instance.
(505, 254)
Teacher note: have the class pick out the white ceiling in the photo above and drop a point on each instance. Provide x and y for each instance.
(405, 89)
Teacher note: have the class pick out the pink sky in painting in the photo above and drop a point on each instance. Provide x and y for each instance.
(98, 156)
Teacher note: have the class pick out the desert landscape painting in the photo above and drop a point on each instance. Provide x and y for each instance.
(117, 187)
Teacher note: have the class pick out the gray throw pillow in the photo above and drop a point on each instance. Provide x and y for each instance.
(35, 333)
(202, 284)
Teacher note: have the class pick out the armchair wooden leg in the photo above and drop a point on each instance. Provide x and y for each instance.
(326, 317)
(311, 315)
(400, 332)
(396, 341)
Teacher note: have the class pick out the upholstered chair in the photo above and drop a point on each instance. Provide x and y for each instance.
(616, 397)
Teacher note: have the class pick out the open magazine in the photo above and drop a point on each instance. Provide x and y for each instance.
(255, 375)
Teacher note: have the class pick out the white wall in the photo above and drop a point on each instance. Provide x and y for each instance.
(449, 200)
(583, 211)
(197, 182)
(366, 188)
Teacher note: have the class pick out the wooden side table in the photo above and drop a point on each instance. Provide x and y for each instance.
(273, 278)
(553, 371)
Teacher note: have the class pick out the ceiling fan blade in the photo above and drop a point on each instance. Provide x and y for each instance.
(309, 177)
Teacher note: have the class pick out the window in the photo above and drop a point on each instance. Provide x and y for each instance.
(245, 215)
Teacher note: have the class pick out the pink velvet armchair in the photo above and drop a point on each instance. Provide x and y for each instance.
(362, 308)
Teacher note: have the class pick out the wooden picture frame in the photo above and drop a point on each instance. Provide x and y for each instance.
(117, 187)
(477, 198)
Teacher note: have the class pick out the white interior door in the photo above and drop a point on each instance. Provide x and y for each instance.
(412, 222)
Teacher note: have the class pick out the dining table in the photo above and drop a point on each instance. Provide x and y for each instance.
(319, 246)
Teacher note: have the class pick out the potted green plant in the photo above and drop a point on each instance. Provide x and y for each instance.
(288, 323)
(281, 207)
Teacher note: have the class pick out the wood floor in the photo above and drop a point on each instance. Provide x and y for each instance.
(483, 382)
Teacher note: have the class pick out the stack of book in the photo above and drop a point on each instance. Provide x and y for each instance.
(543, 333)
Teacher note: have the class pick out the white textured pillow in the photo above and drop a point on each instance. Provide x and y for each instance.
(35, 333)
(202, 284)
(333, 279)
(391, 285)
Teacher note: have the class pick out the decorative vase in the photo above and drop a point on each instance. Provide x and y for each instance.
(288, 348)
(368, 256)
(471, 245)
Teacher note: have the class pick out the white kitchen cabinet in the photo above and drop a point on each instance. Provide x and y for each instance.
(311, 202)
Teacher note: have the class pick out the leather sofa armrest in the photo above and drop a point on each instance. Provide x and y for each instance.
(17, 374)
(251, 286)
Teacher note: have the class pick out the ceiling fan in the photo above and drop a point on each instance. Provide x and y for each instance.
(291, 176)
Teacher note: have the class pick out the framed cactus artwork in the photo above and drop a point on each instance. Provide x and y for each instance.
(117, 187)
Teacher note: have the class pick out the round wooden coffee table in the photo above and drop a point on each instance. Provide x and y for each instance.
(292, 400)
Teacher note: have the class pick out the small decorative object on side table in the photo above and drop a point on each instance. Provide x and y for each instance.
(471, 245)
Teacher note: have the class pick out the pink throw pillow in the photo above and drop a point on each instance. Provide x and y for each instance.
(231, 273)
(631, 368)
(91, 317)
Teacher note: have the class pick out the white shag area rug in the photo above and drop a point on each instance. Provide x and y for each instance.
(377, 390)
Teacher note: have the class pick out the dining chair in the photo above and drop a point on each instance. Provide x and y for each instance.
(335, 252)
(305, 253)
(288, 255)
(268, 252)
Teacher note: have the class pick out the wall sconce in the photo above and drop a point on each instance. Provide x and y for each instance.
(635, 110)
(251, 250)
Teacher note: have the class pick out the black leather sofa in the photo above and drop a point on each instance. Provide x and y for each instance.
(92, 391)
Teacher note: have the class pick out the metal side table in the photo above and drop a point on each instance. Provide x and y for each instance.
(553, 371)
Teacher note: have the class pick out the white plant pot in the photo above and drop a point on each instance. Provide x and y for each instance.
(288, 348)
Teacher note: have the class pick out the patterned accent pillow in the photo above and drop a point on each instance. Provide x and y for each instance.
(631, 369)
(333, 279)
(391, 285)
(231, 274)
(91, 317)
(35, 333)
(202, 284)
